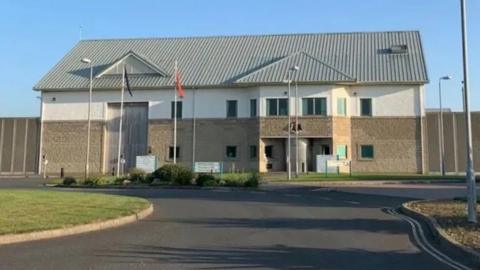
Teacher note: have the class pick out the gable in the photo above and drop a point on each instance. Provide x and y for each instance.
(134, 64)
(310, 70)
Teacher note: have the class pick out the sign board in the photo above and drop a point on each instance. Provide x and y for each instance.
(146, 163)
(323, 164)
(208, 167)
(338, 163)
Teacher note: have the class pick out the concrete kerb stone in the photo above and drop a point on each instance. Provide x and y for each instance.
(448, 243)
(107, 224)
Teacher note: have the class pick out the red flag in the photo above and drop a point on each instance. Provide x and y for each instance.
(178, 85)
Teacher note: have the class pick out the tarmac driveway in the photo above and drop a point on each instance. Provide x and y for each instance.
(291, 228)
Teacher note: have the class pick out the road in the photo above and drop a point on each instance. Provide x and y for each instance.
(289, 228)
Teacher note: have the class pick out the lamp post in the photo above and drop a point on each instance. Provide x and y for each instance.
(289, 140)
(87, 155)
(470, 174)
(296, 68)
(440, 126)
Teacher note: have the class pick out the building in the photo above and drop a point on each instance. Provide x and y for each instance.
(360, 97)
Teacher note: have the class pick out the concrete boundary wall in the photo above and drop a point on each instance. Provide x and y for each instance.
(19, 146)
(454, 141)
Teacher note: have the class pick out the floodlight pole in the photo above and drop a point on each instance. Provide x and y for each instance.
(440, 126)
(470, 173)
(289, 140)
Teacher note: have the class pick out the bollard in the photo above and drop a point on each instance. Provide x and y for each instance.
(62, 173)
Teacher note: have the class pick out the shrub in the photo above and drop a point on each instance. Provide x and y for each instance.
(136, 175)
(235, 179)
(119, 180)
(148, 179)
(175, 174)
(206, 180)
(91, 181)
(253, 180)
(68, 181)
(105, 180)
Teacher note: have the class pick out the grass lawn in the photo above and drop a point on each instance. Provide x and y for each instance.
(451, 215)
(30, 210)
(359, 177)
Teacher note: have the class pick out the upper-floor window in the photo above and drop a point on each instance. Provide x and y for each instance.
(314, 106)
(232, 108)
(179, 109)
(277, 106)
(342, 106)
(253, 107)
(231, 151)
(366, 107)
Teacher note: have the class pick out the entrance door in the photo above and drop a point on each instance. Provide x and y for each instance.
(134, 134)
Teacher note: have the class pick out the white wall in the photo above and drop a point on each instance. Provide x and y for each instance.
(211, 103)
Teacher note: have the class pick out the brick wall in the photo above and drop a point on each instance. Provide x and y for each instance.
(396, 141)
(64, 144)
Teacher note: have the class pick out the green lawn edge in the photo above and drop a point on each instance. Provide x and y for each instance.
(24, 211)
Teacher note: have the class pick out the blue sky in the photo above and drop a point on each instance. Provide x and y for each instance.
(34, 35)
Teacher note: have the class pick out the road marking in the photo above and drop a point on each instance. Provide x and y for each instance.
(352, 202)
(423, 243)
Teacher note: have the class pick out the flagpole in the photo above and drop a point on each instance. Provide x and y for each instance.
(120, 129)
(194, 129)
(175, 116)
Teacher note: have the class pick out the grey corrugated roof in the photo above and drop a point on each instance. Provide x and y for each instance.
(232, 60)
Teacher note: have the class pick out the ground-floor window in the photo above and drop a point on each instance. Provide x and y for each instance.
(269, 151)
(231, 151)
(341, 151)
(170, 152)
(366, 151)
(253, 151)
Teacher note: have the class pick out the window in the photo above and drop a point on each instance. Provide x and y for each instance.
(170, 152)
(269, 151)
(231, 151)
(277, 106)
(366, 151)
(314, 106)
(341, 151)
(253, 108)
(232, 108)
(342, 106)
(253, 151)
(179, 109)
(366, 107)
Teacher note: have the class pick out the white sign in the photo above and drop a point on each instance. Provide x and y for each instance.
(338, 163)
(208, 167)
(146, 163)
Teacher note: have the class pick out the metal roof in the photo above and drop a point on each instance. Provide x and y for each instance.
(230, 61)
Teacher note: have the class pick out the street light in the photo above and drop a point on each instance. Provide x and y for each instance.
(470, 173)
(87, 157)
(289, 140)
(296, 68)
(440, 127)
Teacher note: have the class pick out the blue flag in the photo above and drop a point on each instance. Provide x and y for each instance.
(127, 82)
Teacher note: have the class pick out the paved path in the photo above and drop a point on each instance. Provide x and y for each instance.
(290, 228)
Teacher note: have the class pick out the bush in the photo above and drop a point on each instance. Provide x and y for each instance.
(148, 179)
(235, 179)
(119, 180)
(206, 180)
(175, 174)
(136, 175)
(68, 181)
(253, 180)
(91, 181)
